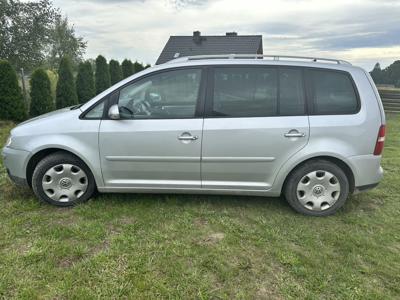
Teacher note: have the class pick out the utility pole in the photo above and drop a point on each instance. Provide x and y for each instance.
(23, 85)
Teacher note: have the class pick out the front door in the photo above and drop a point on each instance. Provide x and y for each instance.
(256, 119)
(157, 141)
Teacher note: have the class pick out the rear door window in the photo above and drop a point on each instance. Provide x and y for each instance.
(332, 92)
(291, 92)
(258, 92)
(245, 92)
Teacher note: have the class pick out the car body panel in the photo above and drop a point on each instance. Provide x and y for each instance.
(140, 153)
(231, 156)
(246, 153)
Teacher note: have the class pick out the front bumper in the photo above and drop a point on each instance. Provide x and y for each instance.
(15, 162)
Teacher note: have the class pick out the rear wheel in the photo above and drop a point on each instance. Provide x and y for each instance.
(62, 179)
(317, 188)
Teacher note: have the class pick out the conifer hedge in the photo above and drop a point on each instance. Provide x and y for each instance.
(12, 105)
(102, 74)
(127, 68)
(66, 91)
(115, 72)
(41, 99)
(85, 82)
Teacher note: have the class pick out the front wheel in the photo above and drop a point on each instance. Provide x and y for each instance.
(317, 188)
(62, 179)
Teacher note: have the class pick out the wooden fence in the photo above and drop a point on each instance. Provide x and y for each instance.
(390, 99)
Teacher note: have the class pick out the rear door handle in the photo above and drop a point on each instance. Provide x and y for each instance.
(295, 134)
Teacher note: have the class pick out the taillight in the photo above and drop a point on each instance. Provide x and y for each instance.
(380, 141)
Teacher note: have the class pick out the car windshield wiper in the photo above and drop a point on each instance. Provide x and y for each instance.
(76, 106)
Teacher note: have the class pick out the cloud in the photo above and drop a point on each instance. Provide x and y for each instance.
(361, 30)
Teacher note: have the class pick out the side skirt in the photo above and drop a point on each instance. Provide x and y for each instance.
(147, 190)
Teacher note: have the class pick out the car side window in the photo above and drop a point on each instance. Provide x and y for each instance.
(96, 112)
(166, 95)
(291, 92)
(245, 92)
(333, 92)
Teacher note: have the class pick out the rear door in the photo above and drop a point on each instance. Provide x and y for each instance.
(255, 120)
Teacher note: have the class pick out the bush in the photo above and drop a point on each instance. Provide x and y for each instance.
(127, 68)
(85, 82)
(65, 92)
(53, 77)
(115, 72)
(12, 105)
(41, 99)
(138, 67)
(102, 74)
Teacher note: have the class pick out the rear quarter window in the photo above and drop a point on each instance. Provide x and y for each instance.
(332, 92)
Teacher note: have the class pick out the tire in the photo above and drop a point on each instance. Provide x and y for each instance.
(62, 179)
(317, 188)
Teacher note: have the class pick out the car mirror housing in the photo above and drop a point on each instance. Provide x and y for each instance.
(113, 112)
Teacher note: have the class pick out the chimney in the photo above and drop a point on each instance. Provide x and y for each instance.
(197, 37)
(231, 33)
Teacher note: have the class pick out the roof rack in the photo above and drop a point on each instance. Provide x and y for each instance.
(259, 56)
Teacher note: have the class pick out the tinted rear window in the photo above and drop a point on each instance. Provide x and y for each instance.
(333, 92)
(257, 92)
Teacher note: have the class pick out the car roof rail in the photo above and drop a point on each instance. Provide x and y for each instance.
(259, 56)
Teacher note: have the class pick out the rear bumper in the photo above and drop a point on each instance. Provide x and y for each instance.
(367, 171)
(15, 162)
(364, 188)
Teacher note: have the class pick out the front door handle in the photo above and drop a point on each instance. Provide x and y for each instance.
(291, 134)
(186, 136)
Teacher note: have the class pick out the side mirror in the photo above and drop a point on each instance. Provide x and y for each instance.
(113, 112)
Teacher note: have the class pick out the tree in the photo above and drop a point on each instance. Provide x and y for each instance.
(115, 72)
(32, 32)
(25, 31)
(41, 99)
(12, 105)
(392, 73)
(377, 74)
(65, 92)
(85, 82)
(64, 42)
(102, 74)
(138, 67)
(127, 68)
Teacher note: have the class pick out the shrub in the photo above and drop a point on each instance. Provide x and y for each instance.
(41, 99)
(138, 67)
(65, 92)
(12, 105)
(115, 72)
(85, 82)
(127, 68)
(102, 74)
(53, 77)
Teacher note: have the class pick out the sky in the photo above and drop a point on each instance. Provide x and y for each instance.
(361, 31)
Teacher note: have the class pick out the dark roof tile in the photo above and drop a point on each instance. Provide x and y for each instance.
(209, 45)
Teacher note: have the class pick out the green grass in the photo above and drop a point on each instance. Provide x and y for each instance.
(203, 247)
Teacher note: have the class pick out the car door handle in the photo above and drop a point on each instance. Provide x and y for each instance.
(295, 134)
(187, 137)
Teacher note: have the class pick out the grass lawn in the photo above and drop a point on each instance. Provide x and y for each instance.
(203, 247)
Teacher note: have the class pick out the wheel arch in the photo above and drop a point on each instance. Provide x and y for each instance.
(335, 160)
(42, 153)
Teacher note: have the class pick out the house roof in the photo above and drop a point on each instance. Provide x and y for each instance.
(179, 46)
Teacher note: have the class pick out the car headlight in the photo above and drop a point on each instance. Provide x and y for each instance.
(9, 140)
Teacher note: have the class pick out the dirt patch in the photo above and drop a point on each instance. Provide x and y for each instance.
(200, 222)
(212, 239)
(103, 246)
(268, 293)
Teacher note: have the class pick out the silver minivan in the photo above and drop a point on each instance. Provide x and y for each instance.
(310, 129)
